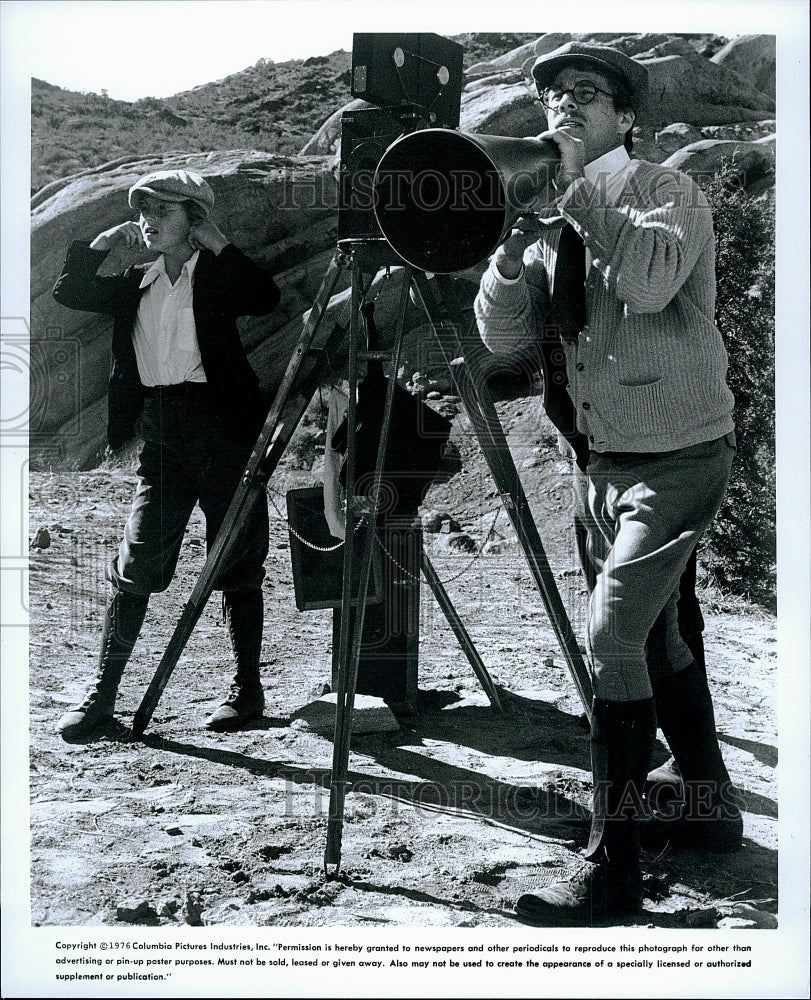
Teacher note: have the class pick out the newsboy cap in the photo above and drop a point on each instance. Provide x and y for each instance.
(173, 185)
(598, 57)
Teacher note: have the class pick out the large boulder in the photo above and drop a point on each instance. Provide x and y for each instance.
(514, 59)
(327, 140)
(504, 108)
(753, 57)
(750, 161)
(691, 89)
(676, 136)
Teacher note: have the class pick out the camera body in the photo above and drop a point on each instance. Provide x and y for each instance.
(416, 81)
(366, 134)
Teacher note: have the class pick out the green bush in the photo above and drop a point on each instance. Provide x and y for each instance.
(739, 553)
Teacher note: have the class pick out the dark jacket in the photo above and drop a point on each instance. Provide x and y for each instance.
(226, 286)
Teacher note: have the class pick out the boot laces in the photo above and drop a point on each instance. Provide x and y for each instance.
(584, 875)
(89, 700)
(239, 693)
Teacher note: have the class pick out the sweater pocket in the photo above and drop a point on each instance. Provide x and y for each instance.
(642, 407)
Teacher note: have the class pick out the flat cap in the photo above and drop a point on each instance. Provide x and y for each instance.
(173, 185)
(599, 57)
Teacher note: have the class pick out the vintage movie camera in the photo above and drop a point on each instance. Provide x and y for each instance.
(441, 199)
(416, 82)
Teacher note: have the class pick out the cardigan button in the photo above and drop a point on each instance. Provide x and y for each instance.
(586, 406)
(580, 366)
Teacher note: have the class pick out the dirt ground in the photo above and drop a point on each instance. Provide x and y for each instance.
(447, 818)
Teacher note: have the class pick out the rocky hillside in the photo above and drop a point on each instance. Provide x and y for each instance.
(712, 100)
(270, 106)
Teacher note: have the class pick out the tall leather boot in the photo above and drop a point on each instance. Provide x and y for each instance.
(708, 817)
(664, 782)
(609, 885)
(122, 624)
(243, 611)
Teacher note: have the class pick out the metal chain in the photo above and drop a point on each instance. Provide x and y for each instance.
(476, 555)
(332, 548)
(301, 538)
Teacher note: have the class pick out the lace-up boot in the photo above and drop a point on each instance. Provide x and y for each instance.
(122, 623)
(244, 617)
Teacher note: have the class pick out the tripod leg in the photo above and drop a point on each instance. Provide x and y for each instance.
(281, 422)
(351, 636)
(460, 632)
(487, 426)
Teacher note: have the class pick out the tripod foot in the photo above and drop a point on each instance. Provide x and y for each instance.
(139, 725)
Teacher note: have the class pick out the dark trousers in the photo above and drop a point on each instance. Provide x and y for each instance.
(189, 456)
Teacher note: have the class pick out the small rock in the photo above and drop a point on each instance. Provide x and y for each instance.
(272, 852)
(498, 545)
(133, 914)
(193, 910)
(447, 410)
(461, 540)
(173, 831)
(320, 689)
(42, 539)
(169, 908)
(395, 852)
(432, 519)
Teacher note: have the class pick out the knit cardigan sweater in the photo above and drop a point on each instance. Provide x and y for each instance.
(647, 373)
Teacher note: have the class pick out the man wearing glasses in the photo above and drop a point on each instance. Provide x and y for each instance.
(181, 381)
(616, 278)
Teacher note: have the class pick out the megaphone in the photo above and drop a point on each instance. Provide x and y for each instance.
(444, 200)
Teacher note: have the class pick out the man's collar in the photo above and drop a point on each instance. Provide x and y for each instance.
(608, 164)
(158, 268)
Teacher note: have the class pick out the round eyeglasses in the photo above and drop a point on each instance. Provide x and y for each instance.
(583, 92)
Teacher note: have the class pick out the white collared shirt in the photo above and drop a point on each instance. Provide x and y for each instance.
(164, 335)
(609, 167)
(607, 174)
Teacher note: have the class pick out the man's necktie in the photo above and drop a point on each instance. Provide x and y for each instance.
(566, 319)
(569, 292)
